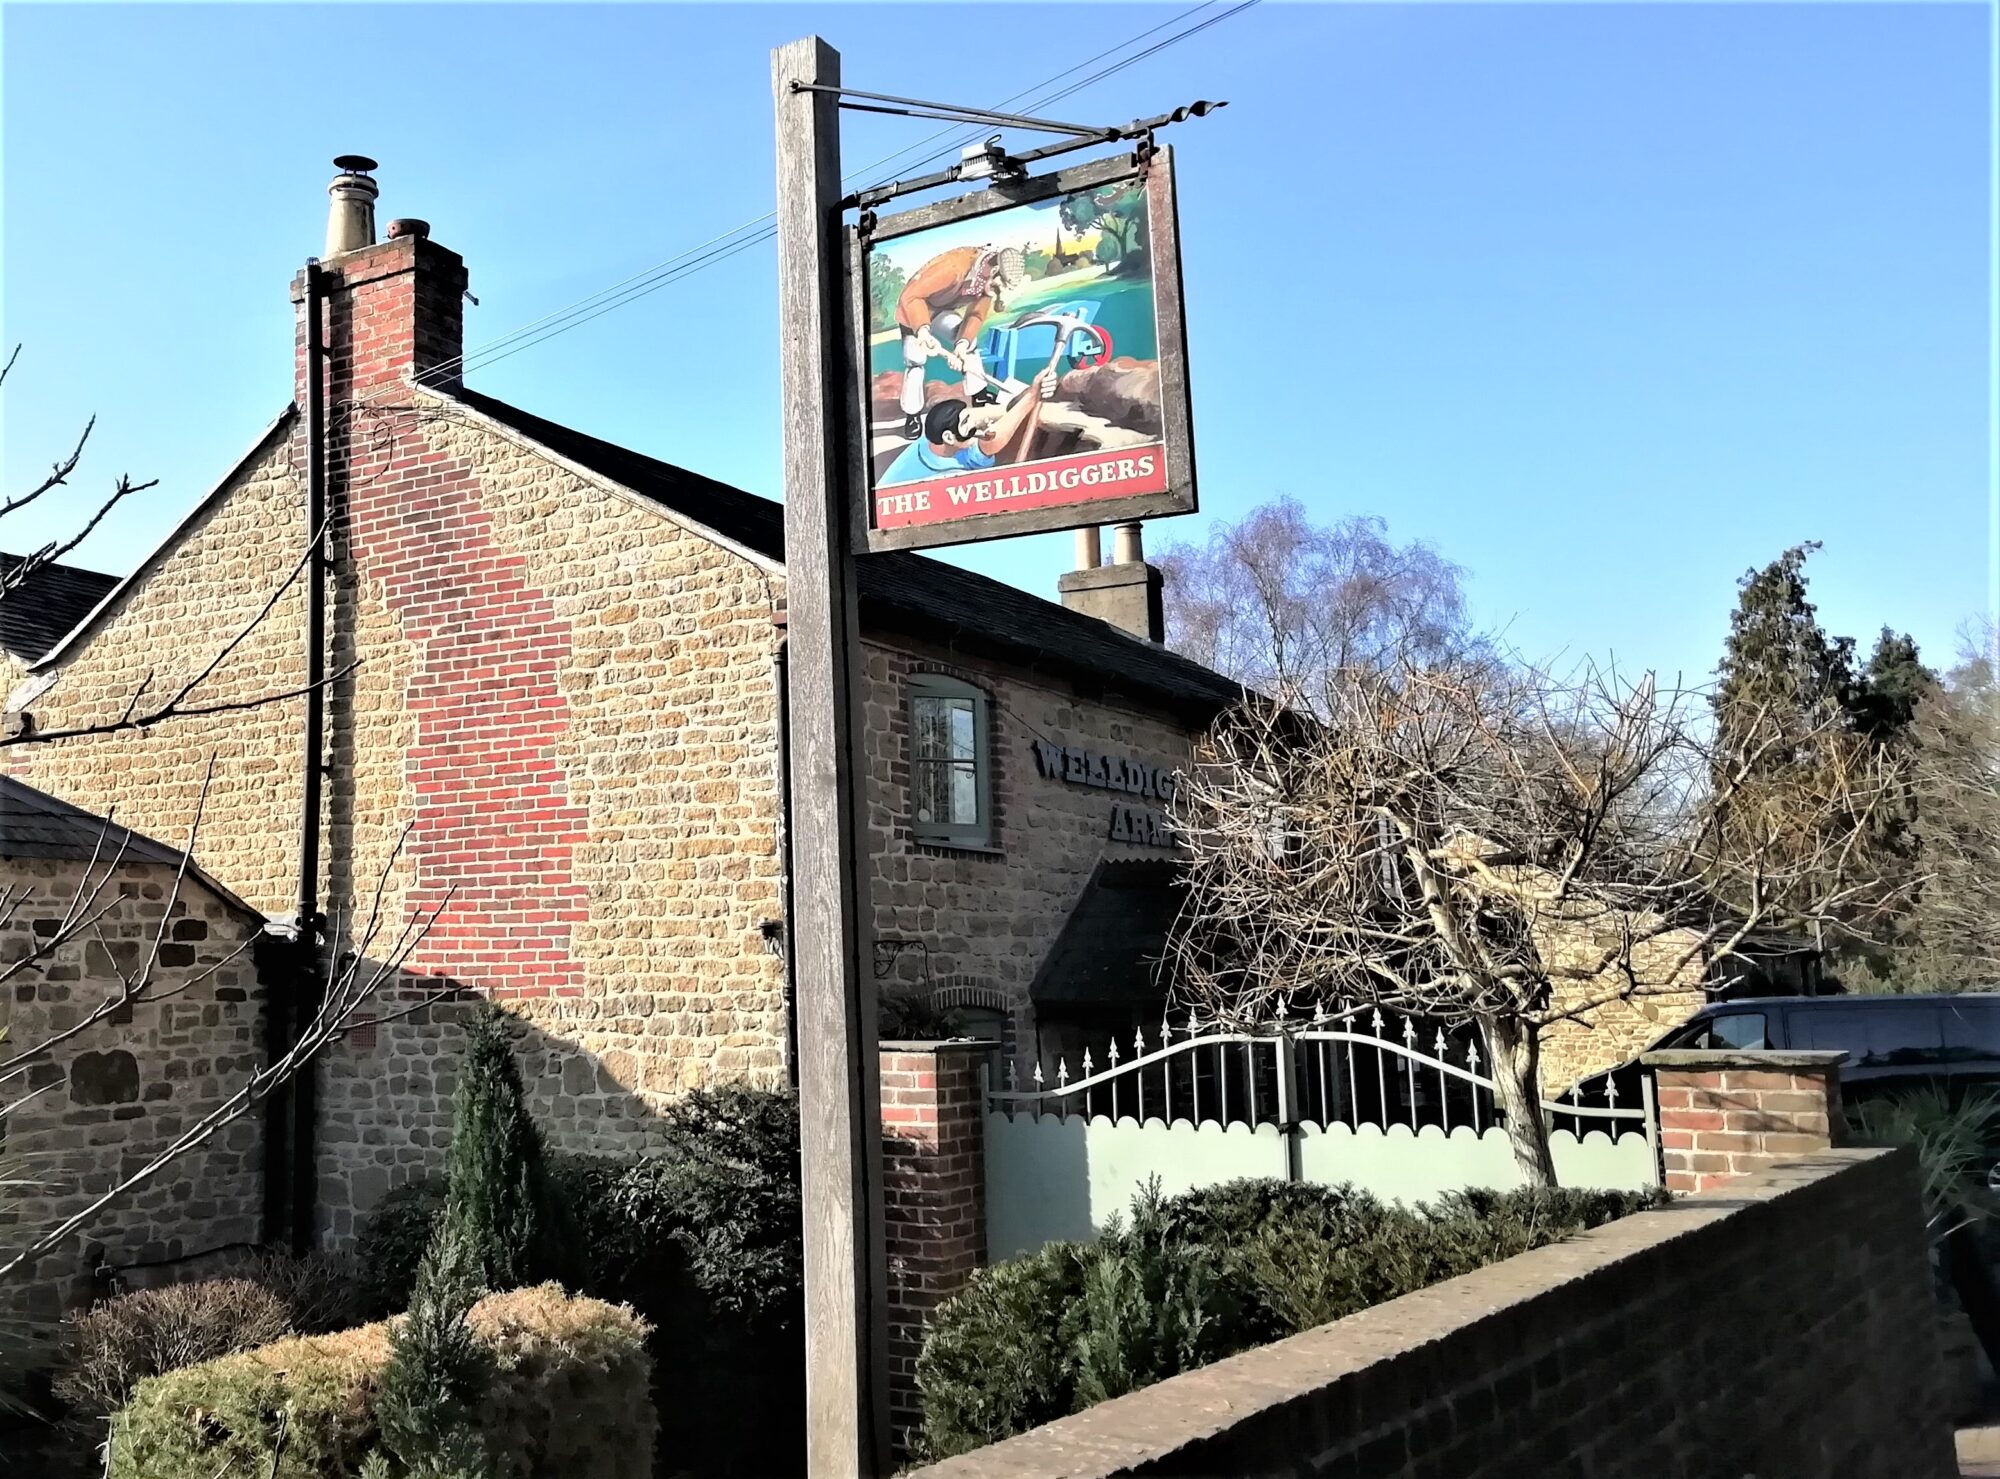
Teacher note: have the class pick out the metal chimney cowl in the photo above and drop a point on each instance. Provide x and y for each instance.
(350, 216)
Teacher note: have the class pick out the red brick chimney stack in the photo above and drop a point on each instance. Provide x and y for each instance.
(394, 309)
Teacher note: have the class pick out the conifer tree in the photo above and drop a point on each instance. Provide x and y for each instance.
(499, 1197)
(1795, 716)
(427, 1411)
(1889, 687)
(1778, 663)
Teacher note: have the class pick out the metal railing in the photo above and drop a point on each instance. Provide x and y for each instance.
(1354, 1067)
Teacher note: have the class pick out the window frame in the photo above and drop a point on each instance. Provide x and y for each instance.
(977, 836)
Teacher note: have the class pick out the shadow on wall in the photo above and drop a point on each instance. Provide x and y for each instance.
(728, 1385)
(385, 1103)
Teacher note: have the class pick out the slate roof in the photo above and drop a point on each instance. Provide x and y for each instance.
(34, 824)
(40, 612)
(1109, 945)
(901, 591)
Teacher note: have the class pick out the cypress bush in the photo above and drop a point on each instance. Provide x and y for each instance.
(437, 1372)
(498, 1196)
(703, 1239)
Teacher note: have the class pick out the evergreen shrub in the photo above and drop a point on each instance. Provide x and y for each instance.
(437, 1373)
(499, 1197)
(702, 1238)
(1200, 1276)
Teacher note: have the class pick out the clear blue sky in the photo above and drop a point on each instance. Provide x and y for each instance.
(1609, 302)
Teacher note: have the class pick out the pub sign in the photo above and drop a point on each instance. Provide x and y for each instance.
(1025, 362)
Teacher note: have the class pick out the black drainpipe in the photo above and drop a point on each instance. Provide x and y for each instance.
(303, 1096)
(781, 680)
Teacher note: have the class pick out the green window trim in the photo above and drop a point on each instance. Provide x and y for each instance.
(951, 762)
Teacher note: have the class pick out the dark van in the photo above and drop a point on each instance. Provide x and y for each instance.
(1884, 1037)
(1891, 1042)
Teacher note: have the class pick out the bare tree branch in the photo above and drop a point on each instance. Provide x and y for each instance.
(1500, 849)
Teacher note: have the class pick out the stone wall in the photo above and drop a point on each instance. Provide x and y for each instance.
(122, 1089)
(1785, 1330)
(990, 917)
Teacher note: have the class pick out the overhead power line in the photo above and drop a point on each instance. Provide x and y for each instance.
(719, 248)
(667, 268)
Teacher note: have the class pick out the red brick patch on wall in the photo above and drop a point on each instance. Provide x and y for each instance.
(493, 826)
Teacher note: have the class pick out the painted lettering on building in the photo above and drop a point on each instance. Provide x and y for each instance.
(1137, 826)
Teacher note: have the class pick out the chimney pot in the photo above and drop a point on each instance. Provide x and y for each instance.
(408, 226)
(1089, 550)
(350, 218)
(1128, 546)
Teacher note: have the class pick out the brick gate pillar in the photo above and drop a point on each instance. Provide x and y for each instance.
(1726, 1113)
(933, 1195)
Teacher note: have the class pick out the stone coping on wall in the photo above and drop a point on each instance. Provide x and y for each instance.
(1743, 1060)
(935, 1044)
(1291, 1386)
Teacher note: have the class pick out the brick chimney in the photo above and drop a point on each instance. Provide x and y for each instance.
(394, 309)
(1126, 593)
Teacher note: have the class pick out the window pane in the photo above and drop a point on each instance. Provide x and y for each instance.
(928, 793)
(1737, 1030)
(1901, 1033)
(929, 718)
(962, 737)
(965, 795)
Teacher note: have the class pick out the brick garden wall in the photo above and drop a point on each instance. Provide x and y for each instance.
(122, 1089)
(934, 1192)
(1784, 1330)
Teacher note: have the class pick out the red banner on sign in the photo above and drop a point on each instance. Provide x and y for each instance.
(1044, 484)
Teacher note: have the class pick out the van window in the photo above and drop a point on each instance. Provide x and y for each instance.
(1731, 1030)
(1873, 1036)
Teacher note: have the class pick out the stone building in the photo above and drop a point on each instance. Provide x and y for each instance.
(556, 719)
(89, 909)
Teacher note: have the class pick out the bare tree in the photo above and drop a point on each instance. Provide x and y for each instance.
(1494, 848)
(354, 979)
(22, 568)
(1280, 603)
(1951, 939)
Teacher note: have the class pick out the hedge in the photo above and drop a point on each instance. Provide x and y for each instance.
(1200, 1276)
(570, 1400)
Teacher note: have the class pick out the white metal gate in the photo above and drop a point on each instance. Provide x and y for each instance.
(1346, 1097)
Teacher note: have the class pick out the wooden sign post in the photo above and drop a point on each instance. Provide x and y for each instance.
(839, 1089)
